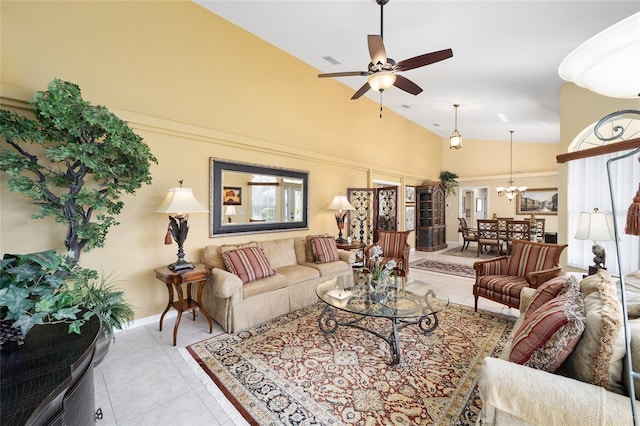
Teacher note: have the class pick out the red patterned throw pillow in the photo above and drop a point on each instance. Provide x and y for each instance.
(548, 291)
(325, 249)
(248, 263)
(548, 335)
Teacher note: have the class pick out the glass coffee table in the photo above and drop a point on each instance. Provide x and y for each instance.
(403, 302)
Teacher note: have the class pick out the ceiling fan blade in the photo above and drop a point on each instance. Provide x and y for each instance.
(344, 74)
(422, 60)
(376, 49)
(407, 85)
(361, 91)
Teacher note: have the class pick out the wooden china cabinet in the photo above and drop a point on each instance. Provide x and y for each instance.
(431, 231)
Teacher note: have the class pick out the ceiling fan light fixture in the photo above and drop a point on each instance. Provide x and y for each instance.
(455, 140)
(381, 80)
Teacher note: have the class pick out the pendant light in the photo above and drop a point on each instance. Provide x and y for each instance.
(510, 191)
(455, 140)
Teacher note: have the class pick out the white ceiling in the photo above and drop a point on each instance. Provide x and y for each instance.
(505, 54)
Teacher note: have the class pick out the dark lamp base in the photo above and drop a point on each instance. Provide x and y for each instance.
(594, 269)
(180, 265)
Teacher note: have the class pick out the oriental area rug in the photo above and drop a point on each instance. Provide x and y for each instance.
(444, 268)
(287, 372)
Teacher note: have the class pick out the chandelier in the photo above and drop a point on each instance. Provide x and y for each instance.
(510, 191)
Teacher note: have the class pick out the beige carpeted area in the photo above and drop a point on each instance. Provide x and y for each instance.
(288, 372)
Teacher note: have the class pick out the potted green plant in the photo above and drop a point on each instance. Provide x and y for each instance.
(46, 288)
(38, 288)
(449, 182)
(102, 297)
(74, 160)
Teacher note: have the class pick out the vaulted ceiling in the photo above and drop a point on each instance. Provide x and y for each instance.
(503, 72)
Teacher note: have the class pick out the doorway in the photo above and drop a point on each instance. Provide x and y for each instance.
(473, 203)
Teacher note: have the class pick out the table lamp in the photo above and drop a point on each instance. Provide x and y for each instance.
(230, 211)
(342, 206)
(596, 226)
(179, 202)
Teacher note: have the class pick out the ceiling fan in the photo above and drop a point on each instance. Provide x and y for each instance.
(383, 71)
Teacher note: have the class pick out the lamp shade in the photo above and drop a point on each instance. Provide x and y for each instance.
(455, 140)
(230, 210)
(609, 62)
(381, 80)
(180, 200)
(595, 226)
(340, 203)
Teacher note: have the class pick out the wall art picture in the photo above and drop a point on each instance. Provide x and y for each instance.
(538, 201)
(409, 218)
(410, 194)
(231, 196)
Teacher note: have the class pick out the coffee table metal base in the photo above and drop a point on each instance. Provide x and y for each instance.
(328, 324)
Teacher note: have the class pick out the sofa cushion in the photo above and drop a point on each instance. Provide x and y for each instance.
(297, 273)
(549, 290)
(546, 337)
(324, 249)
(279, 252)
(263, 286)
(332, 268)
(597, 358)
(634, 331)
(248, 263)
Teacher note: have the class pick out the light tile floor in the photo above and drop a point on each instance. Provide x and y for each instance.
(144, 380)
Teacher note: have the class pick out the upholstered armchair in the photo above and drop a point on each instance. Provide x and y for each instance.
(529, 265)
(394, 247)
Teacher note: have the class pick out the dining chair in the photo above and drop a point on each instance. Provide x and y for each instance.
(468, 234)
(517, 230)
(488, 235)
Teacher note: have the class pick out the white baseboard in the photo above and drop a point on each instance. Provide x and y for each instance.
(153, 319)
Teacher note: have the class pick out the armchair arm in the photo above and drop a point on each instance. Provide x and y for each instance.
(347, 256)
(524, 395)
(539, 277)
(495, 266)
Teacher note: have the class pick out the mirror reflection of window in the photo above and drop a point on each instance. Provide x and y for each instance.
(292, 200)
(263, 197)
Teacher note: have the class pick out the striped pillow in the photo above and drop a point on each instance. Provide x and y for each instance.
(547, 336)
(324, 249)
(248, 263)
(549, 290)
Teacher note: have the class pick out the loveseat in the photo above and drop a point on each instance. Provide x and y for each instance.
(585, 384)
(254, 282)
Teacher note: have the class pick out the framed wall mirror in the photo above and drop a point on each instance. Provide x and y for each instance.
(250, 198)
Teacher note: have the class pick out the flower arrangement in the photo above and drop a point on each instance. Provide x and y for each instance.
(377, 269)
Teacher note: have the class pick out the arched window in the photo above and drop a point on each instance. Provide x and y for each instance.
(588, 188)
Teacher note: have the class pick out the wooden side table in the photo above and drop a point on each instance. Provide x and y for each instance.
(175, 279)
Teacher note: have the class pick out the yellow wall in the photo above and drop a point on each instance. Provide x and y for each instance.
(194, 87)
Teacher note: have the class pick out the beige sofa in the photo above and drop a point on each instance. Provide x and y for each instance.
(237, 306)
(514, 394)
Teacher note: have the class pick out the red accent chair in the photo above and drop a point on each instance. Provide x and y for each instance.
(394, 246)
(529, 265)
